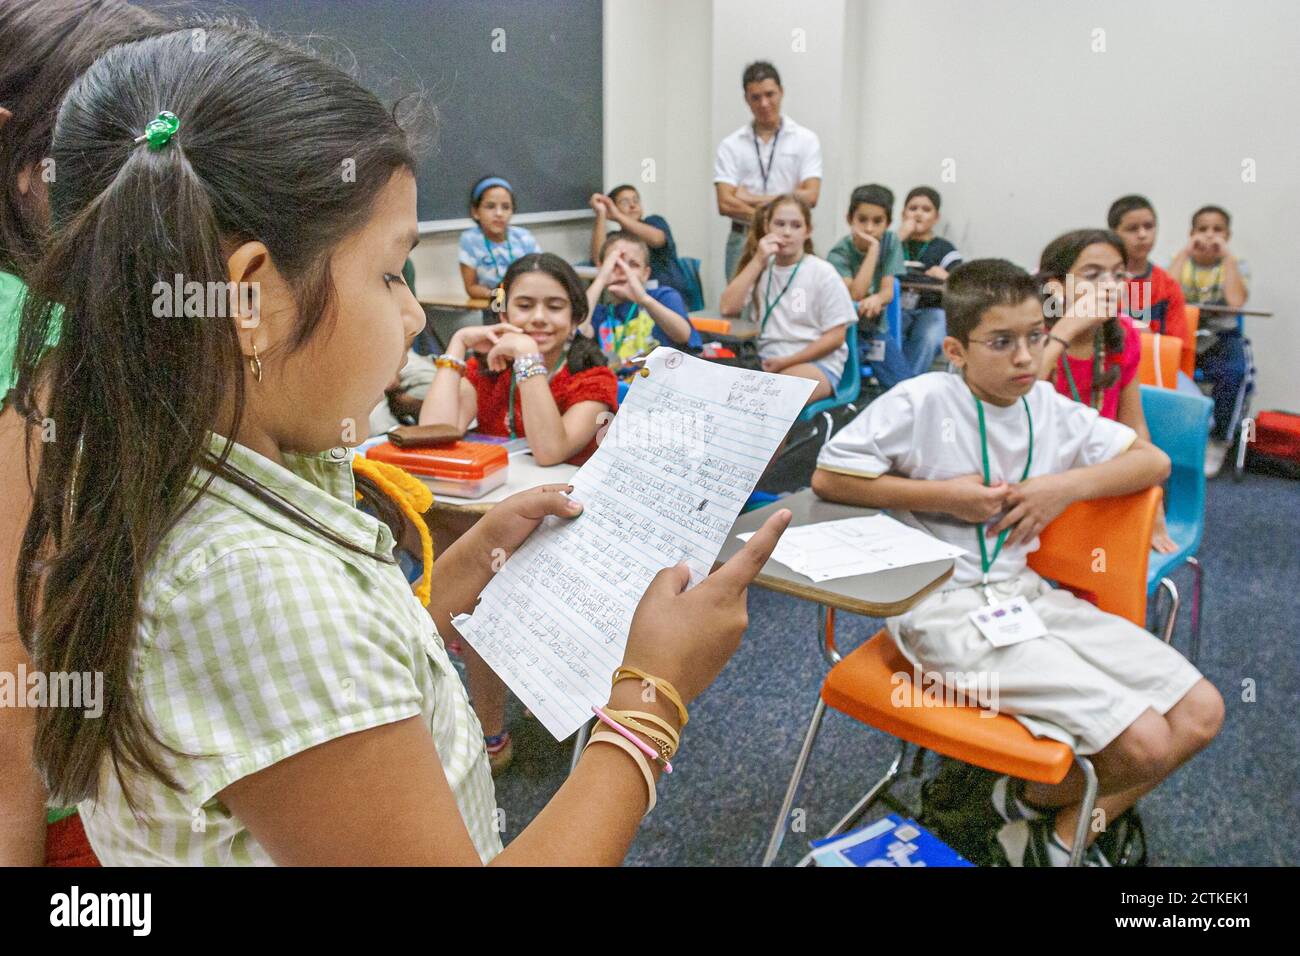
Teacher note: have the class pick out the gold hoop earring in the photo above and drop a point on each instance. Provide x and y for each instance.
(255, 364)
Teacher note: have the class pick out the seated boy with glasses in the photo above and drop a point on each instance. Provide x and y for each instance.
(985, 459)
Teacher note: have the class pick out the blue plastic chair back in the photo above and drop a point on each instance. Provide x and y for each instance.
(1180, 426)
(622, 390)
(694, 291)
(894, 315)
(850, 382)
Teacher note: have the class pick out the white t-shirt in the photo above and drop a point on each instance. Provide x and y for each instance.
(815, 301)
(793, 154)
(927, 427)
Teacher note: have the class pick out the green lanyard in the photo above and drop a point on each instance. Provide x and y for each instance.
(510, 416)
(919, 253)
(622, 327)
(769, 305)
(510, 253)
(985, 561)
(1096, 370)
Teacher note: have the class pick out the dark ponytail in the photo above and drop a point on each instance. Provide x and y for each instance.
(584, 352)
(266, 131)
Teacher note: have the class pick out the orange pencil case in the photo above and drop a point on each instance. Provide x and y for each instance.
(463, 469)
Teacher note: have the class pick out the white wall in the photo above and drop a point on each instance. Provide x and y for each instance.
(1044, 131)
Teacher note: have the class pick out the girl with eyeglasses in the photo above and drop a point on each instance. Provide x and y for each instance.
(1093, 350)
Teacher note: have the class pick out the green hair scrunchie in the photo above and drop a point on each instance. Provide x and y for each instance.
(159, 131)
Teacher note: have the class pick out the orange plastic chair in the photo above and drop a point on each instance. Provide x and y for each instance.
(1099, 549)
(1193, 313)
(1161, 356)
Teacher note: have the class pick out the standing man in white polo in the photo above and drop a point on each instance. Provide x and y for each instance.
(763, 159)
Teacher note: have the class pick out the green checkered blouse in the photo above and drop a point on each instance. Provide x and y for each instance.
(258, 639)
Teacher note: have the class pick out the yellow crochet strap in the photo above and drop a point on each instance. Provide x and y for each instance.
(410, 494)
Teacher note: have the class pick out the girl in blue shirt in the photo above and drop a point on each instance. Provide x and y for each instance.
(487, 249)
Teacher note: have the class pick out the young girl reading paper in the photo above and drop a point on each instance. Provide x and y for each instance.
(274, 692)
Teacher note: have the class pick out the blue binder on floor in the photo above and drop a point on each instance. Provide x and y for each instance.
(892, 841)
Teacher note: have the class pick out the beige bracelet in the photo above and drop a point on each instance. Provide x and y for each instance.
(623, 672)
(609, 737)
(665, 737)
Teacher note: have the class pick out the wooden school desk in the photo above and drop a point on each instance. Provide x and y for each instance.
(882, 594)
(1229, 310)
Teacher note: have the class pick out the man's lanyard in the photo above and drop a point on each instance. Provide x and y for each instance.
(919, 253)
(1097, 394)
(768, 304)
(510, 251)
(510, 415)
(765, 171)
(987, 562)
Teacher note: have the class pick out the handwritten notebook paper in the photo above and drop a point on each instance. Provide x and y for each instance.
(665, 485)
(852, 546)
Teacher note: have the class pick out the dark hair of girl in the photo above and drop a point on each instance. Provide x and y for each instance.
(275, 145)
(1056, 262)
(584, 352)
(47, 44)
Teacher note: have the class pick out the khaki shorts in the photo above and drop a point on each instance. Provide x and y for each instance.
(1083, 683)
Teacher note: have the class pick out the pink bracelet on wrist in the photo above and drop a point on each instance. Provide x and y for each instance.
(640, 744)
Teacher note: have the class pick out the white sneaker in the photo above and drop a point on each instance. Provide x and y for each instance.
(1215, 452)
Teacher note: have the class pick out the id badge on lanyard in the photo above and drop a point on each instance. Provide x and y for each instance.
(1003, 622)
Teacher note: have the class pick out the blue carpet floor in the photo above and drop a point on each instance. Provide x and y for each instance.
(1237, 803)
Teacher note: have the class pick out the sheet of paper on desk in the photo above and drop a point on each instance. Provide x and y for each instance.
(851, 546)
(665, 485)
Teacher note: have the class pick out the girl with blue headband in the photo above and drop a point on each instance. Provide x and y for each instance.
(488, 248)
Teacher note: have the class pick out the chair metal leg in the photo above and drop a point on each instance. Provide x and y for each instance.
(810, 738)
(1239, 466)
(1169, 586)
(854, 816)
(1085, 809)
(1198, 574)
(579, 742)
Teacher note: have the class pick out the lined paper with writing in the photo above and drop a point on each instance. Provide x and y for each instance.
(665, 485)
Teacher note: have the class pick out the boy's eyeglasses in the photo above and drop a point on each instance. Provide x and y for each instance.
(1002, 344)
